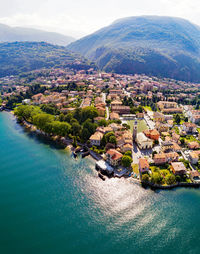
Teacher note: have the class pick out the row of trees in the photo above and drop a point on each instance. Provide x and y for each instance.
(79, 123)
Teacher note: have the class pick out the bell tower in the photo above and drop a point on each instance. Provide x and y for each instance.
(135, 130)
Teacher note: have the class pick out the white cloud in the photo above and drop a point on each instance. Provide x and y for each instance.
(80, 17)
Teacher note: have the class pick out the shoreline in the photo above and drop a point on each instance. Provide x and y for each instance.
(67, 145)
(169, 187)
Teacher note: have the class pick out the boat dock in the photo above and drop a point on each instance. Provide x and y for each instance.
(104, 167)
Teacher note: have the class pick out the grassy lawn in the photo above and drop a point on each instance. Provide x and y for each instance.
(148, 108)
(135, 168)
(130, 123)
(190, 138)
(142, 126)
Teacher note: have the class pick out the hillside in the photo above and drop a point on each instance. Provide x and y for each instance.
(20, 57)
(160, 46)
(12, 34)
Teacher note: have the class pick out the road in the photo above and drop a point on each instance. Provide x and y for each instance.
(149, 122)
(136, 154)
(81, 103)
(107, 109)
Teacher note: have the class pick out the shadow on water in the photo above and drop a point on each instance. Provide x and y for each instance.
(42, 139)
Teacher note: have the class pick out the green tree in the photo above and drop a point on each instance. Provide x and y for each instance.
(103, 122)
(156, 178)
(177, 119)
(41, 121)
(126, 161)
(60, 128)
(112, 140)
(128, 153)
(76, 128)
(145, 178)
(182, 140)
(170, 179)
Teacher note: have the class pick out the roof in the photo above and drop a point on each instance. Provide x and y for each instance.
(114, 115)
(194, 155)
(193, 144)
(143, 163)
(128, 146)
(159, 156)
(97, 136)
(116, 102)
(178, 166)
(142, 138)
(195, 173)
(187, 124)
(115, 155)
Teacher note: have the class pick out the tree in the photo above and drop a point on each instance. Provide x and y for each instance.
(68, 117)
(103, 122)
(170, 179)
(182, 140)
(76, 128)
(177, 119)
(60, 128)
(156, 178)
(50, 109)
(106, 138)
(41, 120)
(88, 113)
(125, 125)
(126, 161)
(145, 178)
(74, 142)
(128, 153)
(85, 134)
(156, 142)
(154, 152)
(112, 140)
(140, 109)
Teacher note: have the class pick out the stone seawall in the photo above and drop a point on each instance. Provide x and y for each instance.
(168, 187)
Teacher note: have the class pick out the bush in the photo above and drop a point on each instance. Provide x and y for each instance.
(145, 178)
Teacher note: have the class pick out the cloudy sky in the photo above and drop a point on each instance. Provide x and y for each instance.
(81, 17)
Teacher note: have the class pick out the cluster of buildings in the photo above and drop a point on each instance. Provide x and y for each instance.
(162, 142)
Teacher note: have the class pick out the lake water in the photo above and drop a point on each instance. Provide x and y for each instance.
(51, 203)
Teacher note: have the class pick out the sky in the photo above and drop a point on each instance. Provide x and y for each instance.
(81, 17)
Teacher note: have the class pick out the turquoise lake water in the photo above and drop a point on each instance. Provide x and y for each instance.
(51, 203)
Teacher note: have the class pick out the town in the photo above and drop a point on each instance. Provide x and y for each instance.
(135, 126)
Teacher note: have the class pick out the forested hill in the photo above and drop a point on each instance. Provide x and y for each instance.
(159, 46)
(20, 57)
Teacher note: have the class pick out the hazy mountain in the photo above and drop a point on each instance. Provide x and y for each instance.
(18, 57)
(161, 46)
(12, 34)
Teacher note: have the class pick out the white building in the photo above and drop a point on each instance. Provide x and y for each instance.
(144, 142)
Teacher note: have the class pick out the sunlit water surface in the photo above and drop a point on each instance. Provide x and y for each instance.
(51, 203)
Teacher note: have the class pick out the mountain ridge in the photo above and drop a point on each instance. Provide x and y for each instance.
(12, 34)
(18, 57)
(145, 44)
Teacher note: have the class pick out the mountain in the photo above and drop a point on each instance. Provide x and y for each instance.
(18, 57)
(12, 34)
(153, 45)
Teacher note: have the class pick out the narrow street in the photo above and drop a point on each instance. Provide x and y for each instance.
(107, 109)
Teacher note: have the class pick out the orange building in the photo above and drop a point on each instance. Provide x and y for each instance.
(152, 134)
